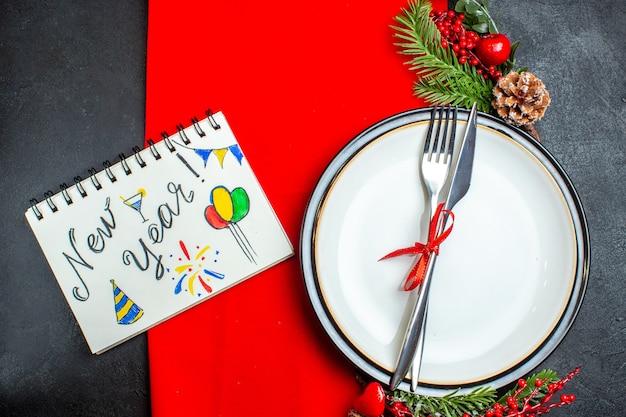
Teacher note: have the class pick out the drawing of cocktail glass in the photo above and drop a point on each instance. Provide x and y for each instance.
(134, 202)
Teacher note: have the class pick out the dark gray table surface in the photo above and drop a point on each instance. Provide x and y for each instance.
(72, 88)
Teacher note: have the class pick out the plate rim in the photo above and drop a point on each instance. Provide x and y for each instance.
(325, 184)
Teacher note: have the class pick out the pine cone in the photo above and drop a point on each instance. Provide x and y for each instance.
(520, 98)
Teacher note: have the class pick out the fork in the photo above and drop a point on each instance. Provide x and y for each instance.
(435, 168)
(435, 174)
(437, 154)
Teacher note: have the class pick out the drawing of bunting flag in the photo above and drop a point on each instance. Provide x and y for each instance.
(220, 153)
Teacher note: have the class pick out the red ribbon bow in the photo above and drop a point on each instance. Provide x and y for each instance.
(417, 274)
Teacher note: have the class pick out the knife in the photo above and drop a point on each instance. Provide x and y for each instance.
(413, 343)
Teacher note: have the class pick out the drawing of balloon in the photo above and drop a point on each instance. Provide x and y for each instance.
(214, 219)
(230, 206)
(227, 208)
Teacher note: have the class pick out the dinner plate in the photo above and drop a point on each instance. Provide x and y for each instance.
(509, 280)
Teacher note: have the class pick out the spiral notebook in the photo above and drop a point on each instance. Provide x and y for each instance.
(158, 232)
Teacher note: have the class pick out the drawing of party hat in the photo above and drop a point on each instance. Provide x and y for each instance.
(126, 310)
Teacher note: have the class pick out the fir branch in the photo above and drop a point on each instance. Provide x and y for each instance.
(442, 79)
(450, 405)
(457, 91)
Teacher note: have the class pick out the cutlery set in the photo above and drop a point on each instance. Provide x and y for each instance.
(436, 161)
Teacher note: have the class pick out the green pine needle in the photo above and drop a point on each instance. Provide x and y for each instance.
(442, 80)
(450, 405)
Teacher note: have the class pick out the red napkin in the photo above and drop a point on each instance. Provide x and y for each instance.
(297, 81)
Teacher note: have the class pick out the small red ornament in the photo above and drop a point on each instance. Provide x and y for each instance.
(399, 409)
(493, 49)
(371, 403)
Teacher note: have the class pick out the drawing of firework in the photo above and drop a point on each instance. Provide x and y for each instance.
(192, 269)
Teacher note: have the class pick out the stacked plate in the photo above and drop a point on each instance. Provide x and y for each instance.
(509, 280)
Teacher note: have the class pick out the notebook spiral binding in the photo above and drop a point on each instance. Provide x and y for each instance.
(124, 164)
